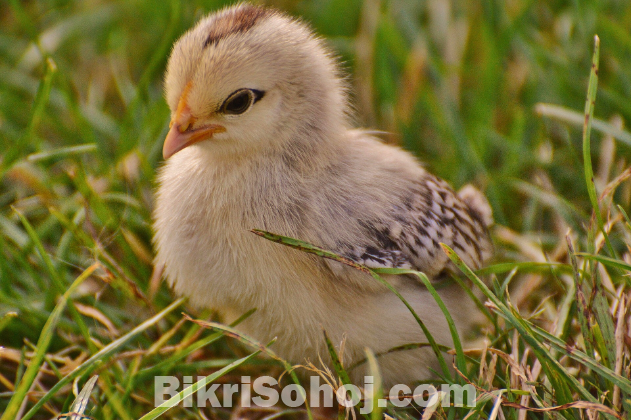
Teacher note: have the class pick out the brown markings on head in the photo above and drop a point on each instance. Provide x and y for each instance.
(234, 21)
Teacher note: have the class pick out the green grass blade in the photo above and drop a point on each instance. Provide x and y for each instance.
(460, 358)
(610, 262)
(335, 360)
(101, 356)
(173, 401)
(62, 152)
(582, 310)
(41, 99)
(587, 128)
(50, 268)
(377, 394)
(435, 347)
(550, 364)
(606, 329)
(249, 341)
(306, 247)
(57, 281)
(576, 118)
(584, 359)
(627, 221)
(45, 338)
(171, 361)
(525, 267)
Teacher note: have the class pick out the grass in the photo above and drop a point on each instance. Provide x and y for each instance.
(483, 92)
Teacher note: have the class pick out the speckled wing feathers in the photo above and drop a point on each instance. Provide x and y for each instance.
(431, 213)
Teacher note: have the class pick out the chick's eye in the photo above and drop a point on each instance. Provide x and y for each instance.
(240, 101)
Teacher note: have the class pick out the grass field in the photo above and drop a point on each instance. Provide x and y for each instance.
(487, 92)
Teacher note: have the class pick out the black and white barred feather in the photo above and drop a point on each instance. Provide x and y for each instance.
(431, 213)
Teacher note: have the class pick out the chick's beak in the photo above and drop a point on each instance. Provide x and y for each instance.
(181, 133)
(181, 136)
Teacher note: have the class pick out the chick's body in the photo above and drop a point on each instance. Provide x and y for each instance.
(281, 156)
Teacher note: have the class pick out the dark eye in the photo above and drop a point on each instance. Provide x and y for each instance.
(240, 101)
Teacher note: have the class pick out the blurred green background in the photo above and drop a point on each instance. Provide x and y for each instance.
(82, 120)
(456, 81)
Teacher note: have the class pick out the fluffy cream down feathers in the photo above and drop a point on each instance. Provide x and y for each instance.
(261, 138)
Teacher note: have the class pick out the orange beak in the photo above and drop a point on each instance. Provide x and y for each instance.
(181, 134)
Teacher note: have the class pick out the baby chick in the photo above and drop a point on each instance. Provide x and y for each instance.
(260, 137)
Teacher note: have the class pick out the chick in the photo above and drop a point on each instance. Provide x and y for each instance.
(261, 137)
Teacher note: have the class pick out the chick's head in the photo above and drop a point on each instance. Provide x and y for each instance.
(248, 79)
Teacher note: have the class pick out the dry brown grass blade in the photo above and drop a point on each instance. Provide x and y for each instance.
(577, 404)
(611, 187)
(233, 334)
